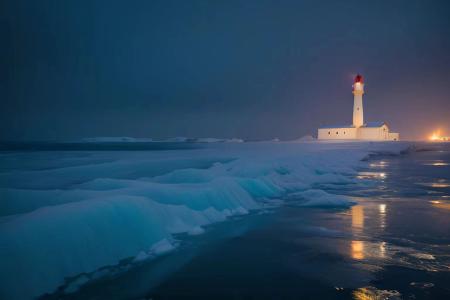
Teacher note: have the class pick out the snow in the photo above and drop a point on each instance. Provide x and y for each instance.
(70, 214)
(120, 139)
(205, 140)
(178, 139)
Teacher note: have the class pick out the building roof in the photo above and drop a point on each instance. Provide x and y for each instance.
(367, 125)
(337, 126)
(375, 124)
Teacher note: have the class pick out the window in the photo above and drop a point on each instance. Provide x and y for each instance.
(344, 132)
(337, 132)
(329, 133)
(357, 108)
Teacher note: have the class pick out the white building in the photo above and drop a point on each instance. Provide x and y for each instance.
(358, 130)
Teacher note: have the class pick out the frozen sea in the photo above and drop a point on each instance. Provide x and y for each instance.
(184, 220)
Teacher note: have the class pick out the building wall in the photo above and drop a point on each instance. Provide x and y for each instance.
(358, 113)
(373, 133)
(363, 133)
(393, 136)
(337, 133)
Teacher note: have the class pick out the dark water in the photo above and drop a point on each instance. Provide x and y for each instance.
(395, 244)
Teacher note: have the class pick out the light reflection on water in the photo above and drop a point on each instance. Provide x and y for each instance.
(442, 204)
(367, 246)
(357, 250)
(381, 164)
(437, 183)
(440, 185)
(357, 247)
(382, 214)
(357, 212)
(371, 175)
(382, 248)
(372, 293)
(360, 249)
(437, 163)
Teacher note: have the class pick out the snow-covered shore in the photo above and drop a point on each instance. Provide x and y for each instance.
(68, 213)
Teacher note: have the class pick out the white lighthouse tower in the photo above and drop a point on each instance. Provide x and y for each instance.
(375, 131)
(358, 91)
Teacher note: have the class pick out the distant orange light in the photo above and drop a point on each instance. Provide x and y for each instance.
(436, 136)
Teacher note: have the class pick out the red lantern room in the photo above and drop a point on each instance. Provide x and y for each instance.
(358, 85)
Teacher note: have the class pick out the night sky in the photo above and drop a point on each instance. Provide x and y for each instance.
(246, 69)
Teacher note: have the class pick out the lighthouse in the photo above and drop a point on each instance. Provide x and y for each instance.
(358, 130)
(358, 92)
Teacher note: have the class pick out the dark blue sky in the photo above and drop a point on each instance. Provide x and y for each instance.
(249, 69)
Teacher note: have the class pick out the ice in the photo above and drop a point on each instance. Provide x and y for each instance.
(142, 256)
(196, 231)
(120, 139)
(320, 198)
(179, 139)
(209, 140)
(128, 166)
(162, 247)
(234, 140)
(76, 284)
(65, 214)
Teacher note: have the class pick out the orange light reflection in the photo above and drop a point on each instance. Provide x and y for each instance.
(357, 250)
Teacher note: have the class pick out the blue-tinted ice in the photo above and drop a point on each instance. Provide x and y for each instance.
(136, 224)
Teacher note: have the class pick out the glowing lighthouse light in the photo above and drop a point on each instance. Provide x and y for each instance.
(358, 83)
